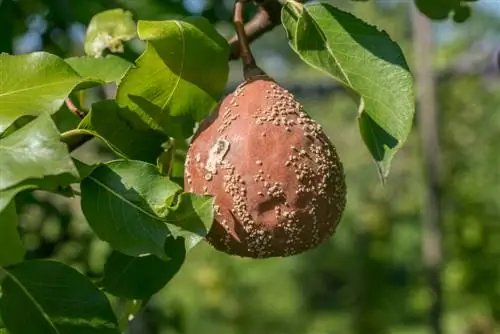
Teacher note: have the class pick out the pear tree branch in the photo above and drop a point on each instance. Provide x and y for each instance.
(267, 18)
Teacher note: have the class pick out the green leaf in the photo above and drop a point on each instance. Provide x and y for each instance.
(99, 70)
(436, 10)
(126, 202)
(185, 63)
(192, 217)
(12, 250)
(83, 169)
(374, 136)
(64, 119)
(108, 30)
(140, 277)
(34, 156)
(34, 152)
(6, 196)
(367, 62)
(19, 123)
(123, 131)
(290, 16)
(48, 297)
(32, 84)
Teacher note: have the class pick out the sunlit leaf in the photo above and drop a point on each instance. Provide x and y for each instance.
(33, 83)
(129, 139)
(193, 216)
(182, 86)
(108, 30)
(6, 196)
(34, 156)
(84, 170)
(65, 119)
(11, 250)
(150, 9)
(99, 70)
(367, 62)
(126, 202)
(48, 297)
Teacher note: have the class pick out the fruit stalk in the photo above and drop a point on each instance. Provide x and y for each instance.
(266, 19)
(250, 68)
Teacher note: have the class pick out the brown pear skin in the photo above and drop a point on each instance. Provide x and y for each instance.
(278, 182)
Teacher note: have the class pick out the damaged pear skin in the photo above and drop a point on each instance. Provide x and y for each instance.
(278, 182)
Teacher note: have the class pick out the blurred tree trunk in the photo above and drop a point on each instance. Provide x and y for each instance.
(432, 253)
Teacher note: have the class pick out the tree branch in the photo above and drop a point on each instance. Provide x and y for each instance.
(268, 17)
(71, 106)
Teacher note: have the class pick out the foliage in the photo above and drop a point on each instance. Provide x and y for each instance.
(442, 9)
(135, 203)
(339, 35)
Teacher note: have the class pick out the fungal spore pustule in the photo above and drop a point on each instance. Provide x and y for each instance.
(278, 182)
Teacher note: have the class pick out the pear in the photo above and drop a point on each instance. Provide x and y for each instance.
(278, 181)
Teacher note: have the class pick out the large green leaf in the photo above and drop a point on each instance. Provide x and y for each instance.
(185, 63)
(132, 140)
(34, 156)
(367, 62)
(65, 119)
(83, 169)
(126, 202)
(100, 70)
(147, 9)
(139, 277)
(34, 152)
(48, 297)
(108, 30)
(11, 250)
(192, 217)
(33, 83)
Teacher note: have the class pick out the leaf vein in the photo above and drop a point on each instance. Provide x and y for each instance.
(138, 208)
(181, 70)
(43, 313)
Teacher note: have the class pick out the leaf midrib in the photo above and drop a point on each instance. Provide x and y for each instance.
(28, 294)
(13, 92)
(327, 44)
(190, 214)
(121, 274)
(138, 208)
(181, 71)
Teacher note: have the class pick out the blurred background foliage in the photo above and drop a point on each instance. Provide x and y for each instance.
(367, 279)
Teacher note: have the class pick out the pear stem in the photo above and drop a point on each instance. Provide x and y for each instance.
(250, 68)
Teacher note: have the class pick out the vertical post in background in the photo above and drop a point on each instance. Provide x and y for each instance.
(432, 252)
